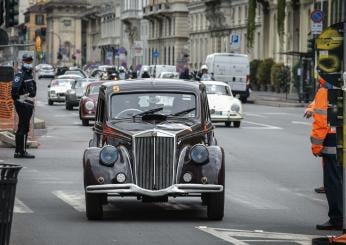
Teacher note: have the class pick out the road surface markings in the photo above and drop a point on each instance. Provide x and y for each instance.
(73, 198)
(243, 237)
(302, 123)
(297, 192)
(56, 182)
(255, 115)
(276, 113)
(21, 208)
(254, 202)
(261, 126)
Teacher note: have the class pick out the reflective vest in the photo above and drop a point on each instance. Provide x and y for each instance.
(323, 138)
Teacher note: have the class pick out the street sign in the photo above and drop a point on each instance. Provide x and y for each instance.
(138, 48)
(316, 28)
(156, 54)
(235, 41)
(316, 16)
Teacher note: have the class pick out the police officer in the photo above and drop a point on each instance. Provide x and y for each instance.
(23, 93)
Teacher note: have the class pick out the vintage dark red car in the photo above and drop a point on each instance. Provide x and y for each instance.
(154, 140)
(88, 103)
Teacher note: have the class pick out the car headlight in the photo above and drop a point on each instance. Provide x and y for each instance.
(235, 107)
(109, 155)
(89, 105)
(199, 154)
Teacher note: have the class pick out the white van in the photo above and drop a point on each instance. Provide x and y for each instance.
(233, 69)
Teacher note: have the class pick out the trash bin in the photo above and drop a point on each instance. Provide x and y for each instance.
(8, 182)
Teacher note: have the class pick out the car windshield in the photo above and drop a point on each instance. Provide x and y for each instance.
(81, 84)
(61, 83)
(74, 73)
(93, 89)
(127, 105)
(218, 89)
(47, 68)
(169, 75)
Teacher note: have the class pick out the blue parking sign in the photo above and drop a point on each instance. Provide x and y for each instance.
(156, 54)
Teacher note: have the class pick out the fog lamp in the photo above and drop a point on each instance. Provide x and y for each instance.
(121, 178)
(187, 177)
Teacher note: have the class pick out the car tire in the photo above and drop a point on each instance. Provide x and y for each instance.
(236, 124)
(228, 124)
(85, 122)
(93, 206)
(50, 102)
(68, 107)
(216, 205)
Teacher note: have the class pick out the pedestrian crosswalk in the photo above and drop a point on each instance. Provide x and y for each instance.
(243, 237)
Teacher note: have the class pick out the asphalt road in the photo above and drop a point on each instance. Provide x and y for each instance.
(270, 176)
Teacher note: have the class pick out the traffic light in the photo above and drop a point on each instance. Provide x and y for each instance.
(311, 47)
(12, 12)
(2, 10)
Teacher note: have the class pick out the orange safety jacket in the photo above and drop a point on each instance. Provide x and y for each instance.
(310, 107)
(320, 127)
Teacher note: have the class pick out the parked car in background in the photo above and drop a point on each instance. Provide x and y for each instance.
(57, 90)
(45, 70)
(169, 75)
(76, 72)
(88, 103)
(74, 95)
(38, 67)
(224, 107)
(61, 70)
(233, 69)
(155, 142)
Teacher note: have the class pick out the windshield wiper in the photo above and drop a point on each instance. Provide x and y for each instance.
(183, 112)
(151, 111)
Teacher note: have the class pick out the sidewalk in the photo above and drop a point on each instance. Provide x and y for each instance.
(274, 99)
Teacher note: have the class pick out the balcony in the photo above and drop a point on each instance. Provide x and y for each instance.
(131, 14)
(152, 11)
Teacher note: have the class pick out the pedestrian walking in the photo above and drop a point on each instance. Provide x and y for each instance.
(23, 94)
(323, 140)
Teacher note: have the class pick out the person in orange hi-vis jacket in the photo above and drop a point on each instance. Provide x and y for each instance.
(309, 111)
(323, 144)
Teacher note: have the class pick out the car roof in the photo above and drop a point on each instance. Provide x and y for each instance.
(155, 84)
(71, 76)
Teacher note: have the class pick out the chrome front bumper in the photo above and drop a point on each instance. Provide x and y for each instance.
(224, 118)
(177, 189)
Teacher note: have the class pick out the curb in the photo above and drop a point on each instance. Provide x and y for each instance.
(278, 103)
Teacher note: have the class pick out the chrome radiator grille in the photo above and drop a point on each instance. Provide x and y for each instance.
(154, 162)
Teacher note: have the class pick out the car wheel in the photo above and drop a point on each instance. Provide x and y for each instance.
(93, 206)
(85, 122)
(68, 107)
(216, 205)
(50, 102)
(236, 124)
(228, 124)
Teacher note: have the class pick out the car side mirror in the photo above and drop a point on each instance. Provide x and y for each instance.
(49, 86)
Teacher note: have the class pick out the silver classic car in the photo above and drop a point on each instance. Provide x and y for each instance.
(154, 140)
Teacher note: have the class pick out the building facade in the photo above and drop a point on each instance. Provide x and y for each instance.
(64, 28)
(168, 32)
(35, 25)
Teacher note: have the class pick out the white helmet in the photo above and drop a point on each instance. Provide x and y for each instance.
(204, 67)
(121, 68)
(145, 69)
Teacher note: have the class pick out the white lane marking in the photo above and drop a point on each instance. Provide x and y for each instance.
(21, 208)
(60, 115)
(262, 126)
(77, 123)
(254, 202)
(242, 237)
(299, 194)
(255, 115)
(73, 198)
(302, 123)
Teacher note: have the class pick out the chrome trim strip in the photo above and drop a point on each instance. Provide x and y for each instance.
(174, 189)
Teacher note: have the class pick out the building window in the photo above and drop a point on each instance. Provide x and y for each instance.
(39, 19)
(27, 18)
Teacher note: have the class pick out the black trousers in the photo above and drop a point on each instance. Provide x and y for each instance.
(332, 178)
(24, 111)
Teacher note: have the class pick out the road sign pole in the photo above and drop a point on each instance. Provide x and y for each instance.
(344, 138)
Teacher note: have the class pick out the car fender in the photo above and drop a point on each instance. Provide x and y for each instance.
(94, 171)
(213, 170)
